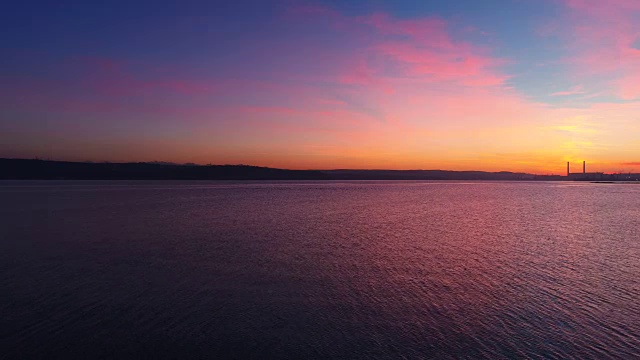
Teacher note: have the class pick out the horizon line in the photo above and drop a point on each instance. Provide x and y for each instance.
(169, 163)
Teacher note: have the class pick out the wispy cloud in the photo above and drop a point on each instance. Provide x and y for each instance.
(576, 90)
(603, 37)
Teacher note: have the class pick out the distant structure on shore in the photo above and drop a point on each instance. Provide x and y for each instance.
(584, 175)
(598, 176)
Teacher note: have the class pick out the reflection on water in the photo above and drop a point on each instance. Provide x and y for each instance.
(320, 270)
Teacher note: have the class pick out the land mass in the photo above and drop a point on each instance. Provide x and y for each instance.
(28, 169)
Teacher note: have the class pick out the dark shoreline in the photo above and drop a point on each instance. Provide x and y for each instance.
(35, 169)
(26, 169)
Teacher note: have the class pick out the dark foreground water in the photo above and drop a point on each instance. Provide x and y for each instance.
(319, 270)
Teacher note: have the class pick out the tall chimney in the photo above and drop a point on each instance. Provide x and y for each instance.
(584, 167)
(568, 169)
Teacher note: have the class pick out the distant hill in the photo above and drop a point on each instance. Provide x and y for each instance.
(44, 169)
(17, 169)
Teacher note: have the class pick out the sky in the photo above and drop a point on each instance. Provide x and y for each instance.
(521, 85)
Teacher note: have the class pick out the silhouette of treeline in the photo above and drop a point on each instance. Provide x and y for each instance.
(20, 169)
(25, 169)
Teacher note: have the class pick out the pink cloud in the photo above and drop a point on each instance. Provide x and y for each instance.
(459, 65)
(360, 74)
(417, 48)
(363, 74)
(428, 52)
(629, 86)
(604, 37)
(425, 52)
(415, 80)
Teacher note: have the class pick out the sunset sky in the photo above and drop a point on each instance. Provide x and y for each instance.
(521, 85)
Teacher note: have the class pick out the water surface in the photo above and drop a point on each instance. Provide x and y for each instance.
(344, 270)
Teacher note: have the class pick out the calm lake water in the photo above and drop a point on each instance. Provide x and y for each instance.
(343, 270)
